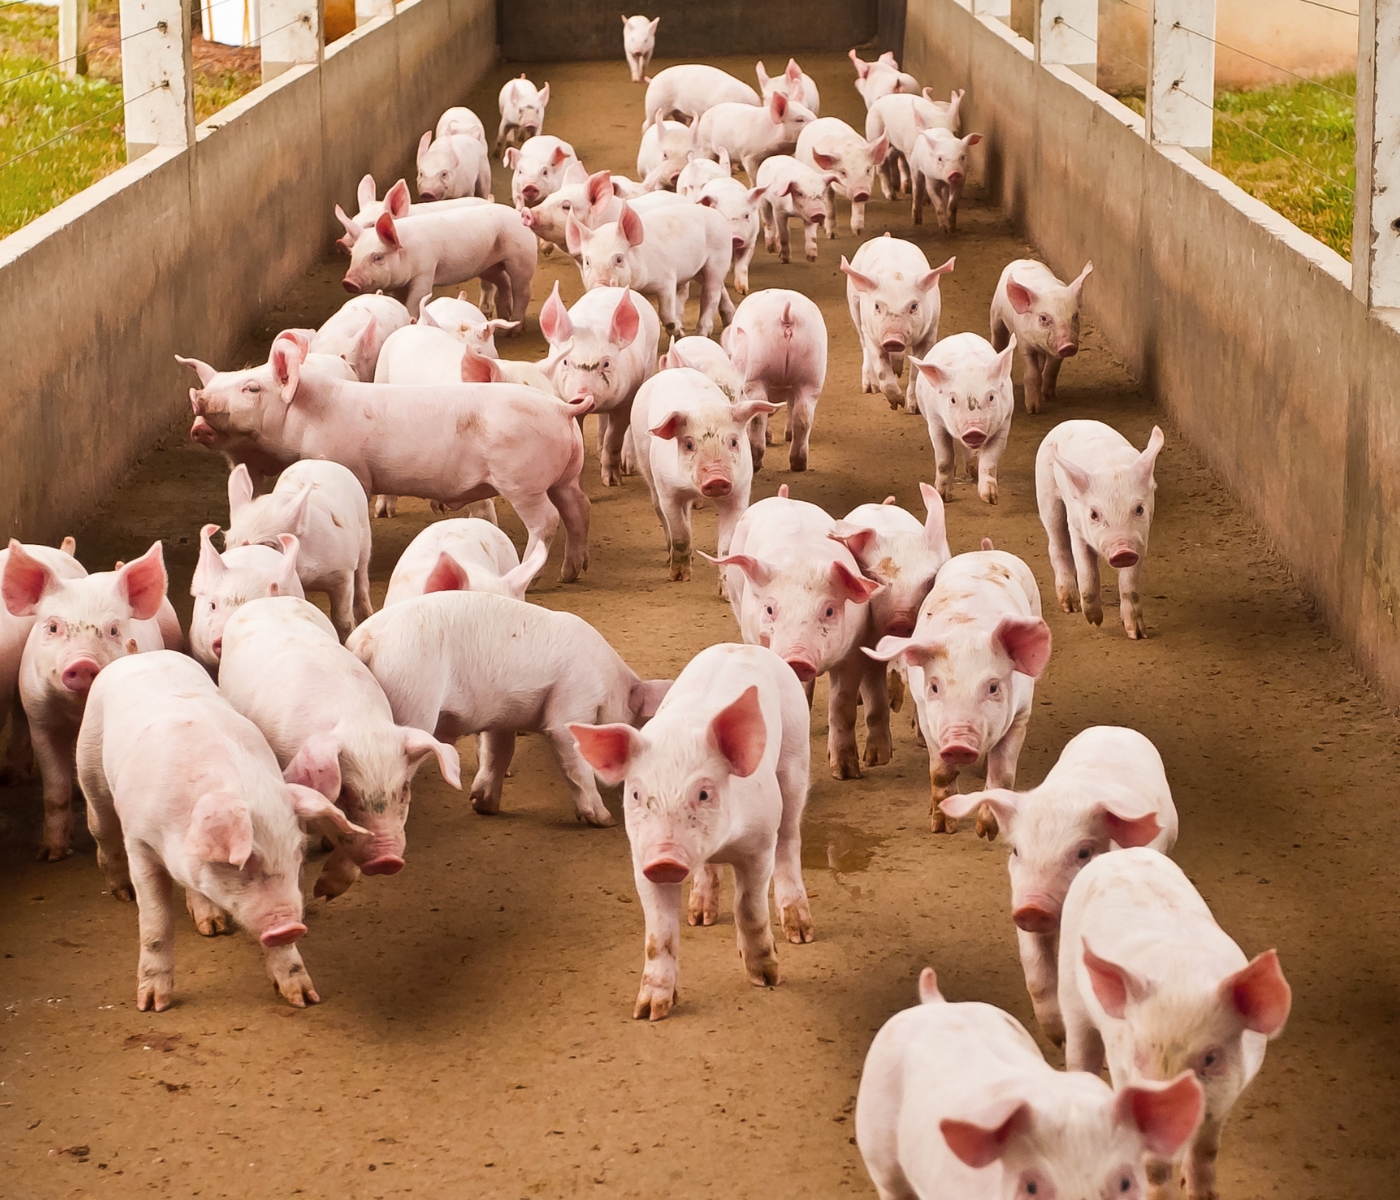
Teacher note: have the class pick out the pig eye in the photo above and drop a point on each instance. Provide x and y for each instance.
(933, 689)
(567, 206)
(252, 386)
(688, 444)
(379, 258)
(733, 443)
(1211, 1058)
(913, 308)
(830, 610)
(953, 400)
(768, 609)
(704, 796)
(1125, 1184)
(1138, 510)
(1093, 514)
(1045, 320)
(115, 631)
(993, 688)
(213, 606)
(53, 625)
(617, 258)
(1085, 854)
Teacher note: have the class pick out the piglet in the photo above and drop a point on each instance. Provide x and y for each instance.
(832, 147)
(1096, 494)
(739, 206)
(719, 776)
(453, 166)
(751, 133)
(791, 189)
(538, 168)
(938, 166)
(357, 331)
(699, 170)
(1107, 791)
(181, 788)
(794, 83)
(522, 107)
(956, 1101)
(1149, 981)
(396, 203)
(464, 662)
(964, 390)
(224, 582)
(463, 554)
(691, 89)
(665, 150)
(460, 120)
(638, 43)
(1043, 314)
(881, 77)
(707, 357)
(901, 118)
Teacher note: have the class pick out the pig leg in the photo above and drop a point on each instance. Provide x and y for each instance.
(768, 217)
(1056, 521)
(1030, 379)
(752, 920)
(944, 456)
(741, 268)
(887, 184)
(954, 198)
(629, 450)
(1038, 961)
(337, 874)
(209, 918)
(809, 240)
(843, 756)
(802, 408)
(571, 505)
(419, 287)
(728, 512)
(857, 216)
(829, 197)
(106, 831)
(784, 235)
(703, 906)
(496, 747)
(1049, 375)
(498, 278)
(671, 314)
(289, 976)
(1084, 1049)
(661, 905)
(363, 605)
(874, 692)
(789, 891)
(611, 431)
(19, 756)
(487, 303)
(942, 778)
(1200, 1161)
(902, 163)
(1002, 760)
(1130, 600)
(1001, 335)
(1086, 563)
(916, 203)
(54, 753)
(386, 506)
(340, 594)
(499, 144)
(759, 436)
(588, 804)
(155, 971)
(986, 461)
(726, 305)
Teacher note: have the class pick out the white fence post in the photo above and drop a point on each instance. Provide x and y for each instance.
(1375, 257)
(1001, 9)
(1067, 34)
(73, 37)
(291, 34)
(157, 75)
(1181, 75)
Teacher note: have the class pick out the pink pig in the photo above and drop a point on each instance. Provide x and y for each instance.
(222, 583)
(356, 333)
(750, 133)
(462, 554)
(792, 189)
(1043, 314)
(396, 203)
(451, 166)
(881, 77)
(538, 168)
(794, 83)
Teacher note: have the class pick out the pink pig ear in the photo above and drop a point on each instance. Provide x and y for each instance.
(858, 539)
(879, 148)
(1076, 475)
(286, 582)
(210, 567)
(981, 1141)
(1003, 802)
(739, 733)
(608, 749)
(417, 745)
(936, 520)
(554, 318)
(1166, 1114)
(631, 225)
(310, 806)
(1021, 297)
(1146, 462)
(316, 765)
(1260, 995)
(931, 371)
(645, 697)
(914, 653)
(929, 279)
(364, 194)
(670, 427)
(397, 200)
(758, 573)
(860, 281)
(423, 143)
(1026, 641)
(26, 581)
(143, 581)
(240, 488)
(477, 368)
(286, 359)
(626, 321)
(1128, 820)
(573, 238)
(220, 830)
(559, 157)
(793, 72)
(849, 586)
(600, 189)
(384, 227)
(777, 107)
(1077, 284)
(1114, 986)
(928, 987)
(447, 575)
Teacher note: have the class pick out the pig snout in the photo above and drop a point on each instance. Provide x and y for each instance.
(860, 197)
(350, 286)
(955, 177)
(382, 864)
(1038, 914)
(282, 934)
(738, 244)
(960, 747)
(529, 193)
(1122, 556)
(1067, 349)
(216, 647)
(892, 343)
(901, 624)
(203, 432)
(804, 670)
(714, 483)
(427, 195)
(666, 863)
(78, 675)
(973, 438)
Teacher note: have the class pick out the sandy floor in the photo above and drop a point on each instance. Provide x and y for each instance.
(476, 1036)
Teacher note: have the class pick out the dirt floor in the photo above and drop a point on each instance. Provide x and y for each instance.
(476, 1036)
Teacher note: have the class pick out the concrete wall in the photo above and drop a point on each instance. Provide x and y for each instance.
(179, 251)
(1240, 325)
(550, 30)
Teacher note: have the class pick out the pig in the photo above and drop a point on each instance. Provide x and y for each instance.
(428, 354)
(881, 77)
(1043, 313)
(739, 206)
(396, 203)
(331, 728)
(475, 367)
(452, 444)
(692, 441)
(1096, 494)
(830, 146)
(751, 133)
(538, 167)
(638, 43)
(604, 347)
(1107, 791)
(464, 662)
(938, 169)
(664, 151)
(357, 331)
(799, 592)
(794, 83)
(522, 113)
(1150, 982)
(658, 253)
(691, 89)
(593, 199)
(464, 321)
(707, 357)
(777, 342)
(895, 306)
(180, 787)
(224, 582)
(901, 118)
(973, 659)
(81, 623)
(791, 189)
(957, 1101)
(720, 775)
(453, 166)
(322, 504)
(964, 390)
(409, 258)
(460, 120)
(462, 554)
(699, 170)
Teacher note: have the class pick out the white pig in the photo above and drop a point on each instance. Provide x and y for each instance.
(956, 1101)
(475, 367)
(720, 775)
(538, 167)
(938, 168)
(1096, 494)
(466, 323)
(1106, 791)
(181, 787)
(357, 331)
(973, 659)
(699, 170)
(895, 305)
(462, 554)
(322, 504)
(396, 203)
(691, 89)
(426, 353)
(638, 43)
(460, 120)
(692, 442)
(751, 133)
(778, 342)
(223, 583)
(708, 357)
(665, 149)
(522, 112)
(832, 147)
(791, 189)
(82, 623)
(964, 390)
(881, 77)
(1149, 981)
(453, 166)
(739, 206)
(794, 83)
(592, 199)
(1043, 314)
(331, 728)
(901, 118)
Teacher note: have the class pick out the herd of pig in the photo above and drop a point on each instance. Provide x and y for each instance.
(317, 726)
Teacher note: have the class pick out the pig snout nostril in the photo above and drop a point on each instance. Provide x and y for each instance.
(217, 647)
(350, 286)
(1033, 918)
(78, 675)
(861, 197)
(383, 864)
(892, 345)
(974, 438)
(957, 754)
(716, 487)
(1123, 558)
(282, 935)
(1068, 350)
(804, 670)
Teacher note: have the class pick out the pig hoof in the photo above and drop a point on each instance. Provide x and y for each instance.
(653, 1003)
(601, 819)
(894, 683)
(942, 823)
(297, 991)
(53, 852)
(1093, 612)
(811, 258)
(125, 893)
(989, 496)
(845, 766)
(153, 995)
(488, 805)
(703, 910)
(797, 922)
(764, 973)
(987, 826)
(876, 755)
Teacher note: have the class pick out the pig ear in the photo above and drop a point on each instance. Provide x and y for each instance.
(202, 369)
(931, 371)
(282, 585)
(890, 647)
(220, 830)
(670, 427)
(1002, 371)
(397, 200)
(850, 586)
(1021, 297)
(929, 280)
(631, 225)
(599, 188)
(1026, 641)
(417, 745)
(351, 227)
(981, 1141)
(755, 194)
(511, 157)
(626, 321)
(554, 317)
(26, 582)
(879, 148)
(1077, 284)
(573, 238)
(723, 158)
(856, 538)
(793, 72)
(368, 335)
(825, 162)
(559, 157)
(69, 547)
(496, 325)
(928, 987)
(423, 143)
(447, 575)
(310, 806)
(477, 368)
(210, 567)
(384, 227)
(286, 360)
(1128, 820)
(518, 579)
(1003, 802)
(645, 697)
(1114, 986)
(655, 21)
(1166, 1114)
(577, 173)
(920, 123)
(143, 582)
(1259, 994)
(1077, 476)
(240, 488)
(936, 522)
(365, 193)
(1147, 461)
(777, 107)
(861, 282)
(972, 139)
(544, 95)
(739, 733)
(608, 749)
(862, 67)
(316, 765)
(757, 572)
(762, 73)
(745, 410)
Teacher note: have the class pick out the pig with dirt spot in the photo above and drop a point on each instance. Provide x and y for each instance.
(1096, 494)
(778, 342)
(791, 189)
(81, 623)
(638, 43)
(799, 592)
(452, 166)
(464, 662)
(465, 322)
(690, 89)
(182, 789)
(964, 390)
(956, 1101)
(707, 357)
(1043, 315)
(329, 724)
(938, 167)
(794, 83)
(223, 583)
(719, 776)
(973, 659)
(830, 146)
(881, 77)
(895, 305)
(522, 107)
(1152, 984)
(396, 203)
(357, 332)
(538, 168)
(462, 554)
(1107, 791)
(751, 133)
(740, 207)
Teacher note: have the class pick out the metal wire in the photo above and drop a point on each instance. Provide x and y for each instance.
(1346, 12)
(74, 128)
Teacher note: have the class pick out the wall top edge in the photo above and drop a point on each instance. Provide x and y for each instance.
(250, 100)
(355, 36)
